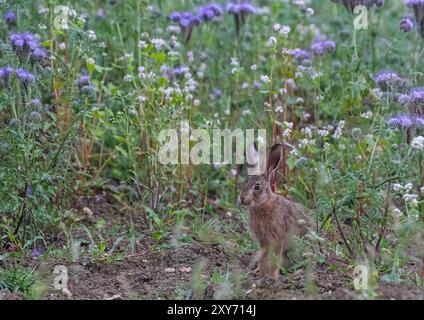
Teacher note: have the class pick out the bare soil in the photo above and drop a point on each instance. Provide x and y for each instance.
(186, 272)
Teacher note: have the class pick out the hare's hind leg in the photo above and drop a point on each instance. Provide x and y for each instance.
(278, 259)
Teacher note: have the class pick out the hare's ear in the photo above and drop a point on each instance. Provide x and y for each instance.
(253, 160)
(274, 158)
(252, 154)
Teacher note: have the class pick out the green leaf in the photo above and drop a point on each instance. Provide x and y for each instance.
(159, 57)
(91, 67)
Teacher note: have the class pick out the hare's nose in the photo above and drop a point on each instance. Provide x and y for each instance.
(240, 199)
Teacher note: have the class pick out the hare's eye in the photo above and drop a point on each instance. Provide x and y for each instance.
(258, 186)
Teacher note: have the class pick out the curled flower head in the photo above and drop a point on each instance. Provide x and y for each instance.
(330, 46)
(388, 79)
(350, 5)
(320, 47)
(35, 117)
(415, 3)
(14, 123)
(187, 21)
(25, 76)
(38, 54)
(175, 16)
(241, 8)
(5, 74)
(10, 18)
(36, 252)
(418, 8)
(210, 11)
(406, 24)
(408, 125)
(84, 80)
(414, 101)
(301, 55)
(240, 11)
(401, 121)
(24, 44)
(36, 103)
(86, 87)
(184, 19)
(23, 40)
(419, 122)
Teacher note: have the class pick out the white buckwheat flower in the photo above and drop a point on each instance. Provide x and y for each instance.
(265, 79)
(323, 133)
(408, 187)
(397, 187)
(284, 31)
(142, 44)
(279, 109)
(418, 143)
(158, 43)
(91, 35)
(271, 41)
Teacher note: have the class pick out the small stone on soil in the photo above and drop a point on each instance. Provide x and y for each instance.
(185, 269)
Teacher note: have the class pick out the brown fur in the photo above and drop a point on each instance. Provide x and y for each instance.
(273, 220)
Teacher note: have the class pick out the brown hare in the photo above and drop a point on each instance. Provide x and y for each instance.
(273, 219)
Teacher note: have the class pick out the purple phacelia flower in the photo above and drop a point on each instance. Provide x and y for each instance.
(413, 3)
(187, 22)
(240, 11)
(406, 24)
(25, 39)
(401, 121)
(5, 74)
(414, 101)
(351, 4)
(101, 13)
(175, 16)
(217, 93)
(10, 18)
(320, 47)
(23, 44)
(233, 8)
(419, 121)
(84, 80)
(39, 54)
(301, 55)
(36, 252)
(241, 8)
(210, 11)
(418, 8)
(36, 103)
(409, 125)
(86, 87)
(388, 79)
(330, 46)
(25, 76)
(28, 192)
(216, 8)
(247, 8)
